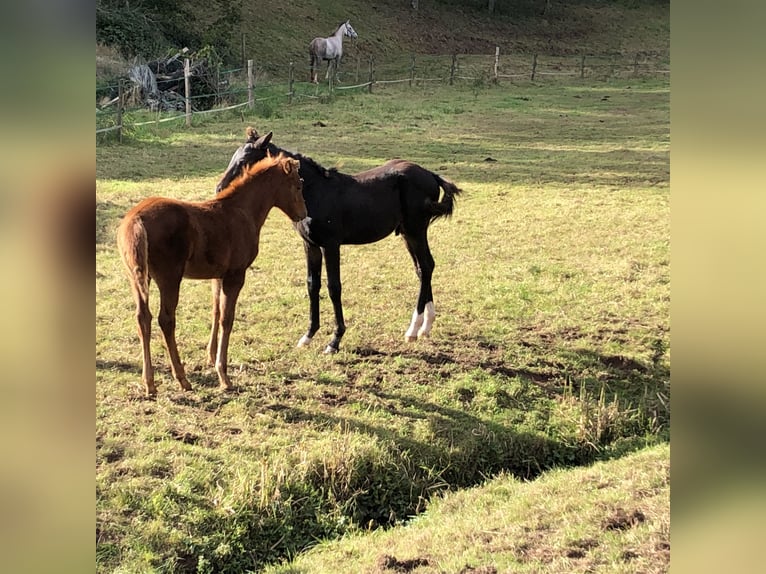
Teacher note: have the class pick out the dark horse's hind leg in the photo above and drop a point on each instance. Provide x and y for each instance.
(424, 314)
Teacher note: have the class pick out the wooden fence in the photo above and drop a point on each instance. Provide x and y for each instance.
(245, 87)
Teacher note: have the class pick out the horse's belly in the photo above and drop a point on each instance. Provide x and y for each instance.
(362, 237)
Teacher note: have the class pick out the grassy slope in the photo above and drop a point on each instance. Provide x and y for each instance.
(389, 27)
(278, 32)
(610, 517)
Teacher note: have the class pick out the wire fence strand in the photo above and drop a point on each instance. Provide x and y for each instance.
(268, 82)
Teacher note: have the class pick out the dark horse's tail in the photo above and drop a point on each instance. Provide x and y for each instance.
(444, 207)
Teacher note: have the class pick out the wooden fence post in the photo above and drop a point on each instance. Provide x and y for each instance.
(330, 75)
(372, 74)
(187, 87)
(497, 64)
(290, 80)
(635, 65)
(412, 69)
(582, 66)
(250, 84)
(358, 61)
(452, 69)
(119, 110)
(534, 66)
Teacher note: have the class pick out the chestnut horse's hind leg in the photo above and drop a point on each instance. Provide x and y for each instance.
(212, 345)
(144, 321)
(231, 285)
(167, 319)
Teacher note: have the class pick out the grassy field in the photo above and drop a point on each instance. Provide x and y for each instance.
(550, 349)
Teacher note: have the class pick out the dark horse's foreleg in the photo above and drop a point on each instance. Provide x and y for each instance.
(332, 264)
(424, 314)
(313, 285)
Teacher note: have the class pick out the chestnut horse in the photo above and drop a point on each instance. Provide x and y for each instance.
(167, 239)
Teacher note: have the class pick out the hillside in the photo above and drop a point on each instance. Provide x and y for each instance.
(275, 32)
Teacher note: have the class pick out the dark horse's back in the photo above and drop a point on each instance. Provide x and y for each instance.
(397, 197)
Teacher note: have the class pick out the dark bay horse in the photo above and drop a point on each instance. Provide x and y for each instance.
(330, 49)
(397, 197)
(166, 240)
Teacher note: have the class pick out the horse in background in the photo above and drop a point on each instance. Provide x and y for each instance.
(330, 49)
(167, 240)
(397, 197)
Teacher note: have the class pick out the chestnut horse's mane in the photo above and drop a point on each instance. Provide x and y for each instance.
(251, 171)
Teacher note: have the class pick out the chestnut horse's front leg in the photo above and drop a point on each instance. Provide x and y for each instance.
(231, 285)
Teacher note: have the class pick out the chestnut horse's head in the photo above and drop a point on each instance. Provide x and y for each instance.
(292, 202)
(254, 149)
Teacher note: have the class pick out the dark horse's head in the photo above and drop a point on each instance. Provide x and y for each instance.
(253, 150)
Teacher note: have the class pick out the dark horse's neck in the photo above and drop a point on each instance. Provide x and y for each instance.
(310, 169)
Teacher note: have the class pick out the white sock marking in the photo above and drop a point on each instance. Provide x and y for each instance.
(412, 332)
(429, 315)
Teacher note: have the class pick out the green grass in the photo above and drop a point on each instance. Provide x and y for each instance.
(550, 349)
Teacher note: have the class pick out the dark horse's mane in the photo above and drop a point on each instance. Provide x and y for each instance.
(306, 161)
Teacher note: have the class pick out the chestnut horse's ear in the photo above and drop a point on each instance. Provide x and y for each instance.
(251, 133)
(263, 141)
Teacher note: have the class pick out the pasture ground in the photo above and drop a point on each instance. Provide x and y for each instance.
(550, 349)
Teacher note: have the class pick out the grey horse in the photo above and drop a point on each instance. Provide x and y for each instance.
(330, 49)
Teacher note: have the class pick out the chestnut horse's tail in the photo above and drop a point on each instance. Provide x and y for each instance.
(444, 207)
(134, 249)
